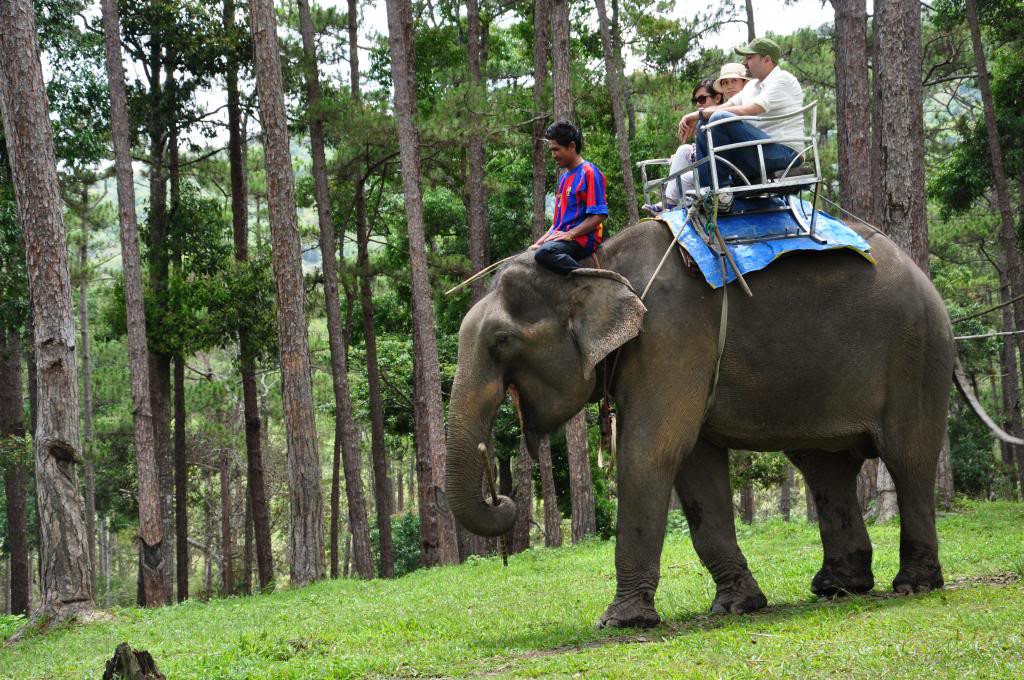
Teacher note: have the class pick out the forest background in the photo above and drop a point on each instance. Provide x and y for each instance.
(382, 333)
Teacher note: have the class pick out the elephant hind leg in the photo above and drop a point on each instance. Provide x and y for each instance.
(832, 477)
(702, 483)
(913, 471)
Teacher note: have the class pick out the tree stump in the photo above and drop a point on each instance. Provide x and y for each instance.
(129, 665)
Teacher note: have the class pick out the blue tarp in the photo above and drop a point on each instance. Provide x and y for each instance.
(751, 257)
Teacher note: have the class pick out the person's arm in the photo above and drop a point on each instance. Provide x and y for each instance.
(588, 225)
(688, 125)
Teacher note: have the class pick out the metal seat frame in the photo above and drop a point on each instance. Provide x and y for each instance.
(765, 185)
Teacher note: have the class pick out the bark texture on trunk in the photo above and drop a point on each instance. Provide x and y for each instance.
(561, 62)
(747, 508)
(524, 501)
(853, 110)
(614, 78)
(751, 33)
(182, 562)
(581, 486)
(378, 453)
(541, 22)
(256, 486)
(552, 515)
(476, 191)
(900, 196)
(227, 547)
(442, 547)
(15, 469)
(83, 331)
(812, 509)
(887, 506)
(305, 539)
(786, 493)
(66, 569)
(151, 529)
(345, 428)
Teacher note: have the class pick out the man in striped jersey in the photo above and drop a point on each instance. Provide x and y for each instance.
(580, 204)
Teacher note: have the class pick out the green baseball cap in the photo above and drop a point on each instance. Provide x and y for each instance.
(764, 47)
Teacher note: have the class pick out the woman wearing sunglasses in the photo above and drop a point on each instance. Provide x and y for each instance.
(703, 95)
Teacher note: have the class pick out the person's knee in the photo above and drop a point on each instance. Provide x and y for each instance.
(720, 115)
(546, 255)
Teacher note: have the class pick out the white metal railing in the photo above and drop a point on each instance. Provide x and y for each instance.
(763, 182)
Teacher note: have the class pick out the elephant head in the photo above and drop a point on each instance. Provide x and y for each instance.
(542, 334)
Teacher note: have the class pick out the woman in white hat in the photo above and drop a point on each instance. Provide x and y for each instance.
(731, 79)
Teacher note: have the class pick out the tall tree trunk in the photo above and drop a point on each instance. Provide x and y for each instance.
(614, 78)
(83, 330)
(345, 428)
(581, 486)
(66, 582)
(853, 113)
(255, 484)
(900, 205)
(440, 545)
(182, 562)
(306, 534)
(159, 263)
(227, 572)
(476, 192)
(812, 509)
(541, 22)
(561, 62)
(1008, 358)
(552, 515)
(867, 488)
(747, 508)
(786, 493)
(627, 89)
(900, 195)
(15, 470)
(151, 534)
(524, 501)
(1007, 236)
(381, 483)
(247, 547)
(332, 548)
(400, 489)
(751, 33)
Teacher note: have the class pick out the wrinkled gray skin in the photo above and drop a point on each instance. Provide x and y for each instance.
(832, 360)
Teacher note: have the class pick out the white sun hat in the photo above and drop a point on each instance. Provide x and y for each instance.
(731, 71)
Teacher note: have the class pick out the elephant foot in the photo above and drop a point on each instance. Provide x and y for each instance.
(631, 612)
(740, 597)
(849, 574)
(920, 571)
(918, 579)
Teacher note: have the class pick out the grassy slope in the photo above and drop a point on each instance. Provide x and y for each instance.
(536, 619)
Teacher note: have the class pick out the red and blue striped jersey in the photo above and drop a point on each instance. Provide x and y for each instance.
(581, 193)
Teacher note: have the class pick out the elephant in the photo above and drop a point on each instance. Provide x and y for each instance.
(831, 360)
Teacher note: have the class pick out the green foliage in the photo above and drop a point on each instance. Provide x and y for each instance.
(405, 543)
(972, 449)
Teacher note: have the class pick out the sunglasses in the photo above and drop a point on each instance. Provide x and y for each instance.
(701, 99)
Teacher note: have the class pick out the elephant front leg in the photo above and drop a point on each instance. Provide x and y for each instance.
(645, 483)
(702, 483)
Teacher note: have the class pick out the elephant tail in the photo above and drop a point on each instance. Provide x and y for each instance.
(964, 388)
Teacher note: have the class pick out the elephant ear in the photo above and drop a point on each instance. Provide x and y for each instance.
(604, 313)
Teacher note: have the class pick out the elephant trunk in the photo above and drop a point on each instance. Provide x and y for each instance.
(470, 416)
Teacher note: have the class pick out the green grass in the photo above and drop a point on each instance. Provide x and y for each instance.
(536, 619)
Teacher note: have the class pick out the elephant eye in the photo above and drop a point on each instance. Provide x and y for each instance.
(501, 339)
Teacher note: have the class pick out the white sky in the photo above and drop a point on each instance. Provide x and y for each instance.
(770, 16)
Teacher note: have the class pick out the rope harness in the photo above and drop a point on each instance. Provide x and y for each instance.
(710, 228)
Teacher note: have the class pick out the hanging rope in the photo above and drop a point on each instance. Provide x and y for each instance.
(483, 272)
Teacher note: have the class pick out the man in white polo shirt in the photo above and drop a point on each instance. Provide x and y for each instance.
(773, 92)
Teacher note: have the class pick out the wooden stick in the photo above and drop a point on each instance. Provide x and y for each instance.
(483, 272)
(482, 448)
